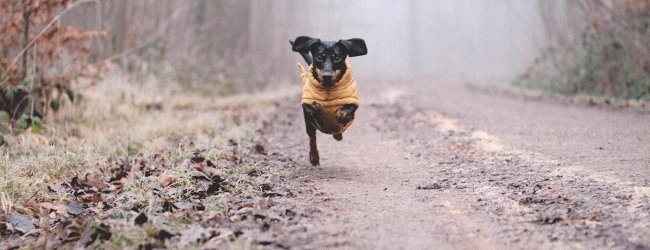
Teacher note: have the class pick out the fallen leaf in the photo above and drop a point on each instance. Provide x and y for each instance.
(197, 159)
(215, 185)
(22, 223)
(91, 198)
(57, 187)
(182, 205)
(75, 208)
(206, 170)
(58, 209)
(250, 205)
(259, 149)
(92, 232)
(243, 210)
(155, 232)
(140, 219)
(93, 178)
(250, 170)
(167, 179)
(168, 206)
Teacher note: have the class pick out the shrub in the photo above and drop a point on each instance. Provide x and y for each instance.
(608, 56)
(39, 58)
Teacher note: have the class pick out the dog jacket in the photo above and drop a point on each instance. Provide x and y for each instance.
(331, 99)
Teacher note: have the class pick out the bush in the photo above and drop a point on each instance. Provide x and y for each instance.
(39, 59)
(609, 55)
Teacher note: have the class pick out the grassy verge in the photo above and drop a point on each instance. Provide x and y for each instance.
(138, 165)
(574, 99)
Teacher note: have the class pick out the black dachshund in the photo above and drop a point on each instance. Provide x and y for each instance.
(329, 98)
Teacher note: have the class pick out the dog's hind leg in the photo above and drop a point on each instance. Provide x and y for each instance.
(311, 132)
(338, 136)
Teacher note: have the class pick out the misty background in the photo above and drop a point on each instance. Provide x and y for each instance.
(235, 44)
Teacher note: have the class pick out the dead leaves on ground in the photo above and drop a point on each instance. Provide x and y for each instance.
(148, 200)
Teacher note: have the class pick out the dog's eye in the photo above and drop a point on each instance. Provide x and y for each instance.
(336, 58)
(320, 57)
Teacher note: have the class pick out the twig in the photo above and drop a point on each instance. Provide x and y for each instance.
(30, 198)
(29, 233)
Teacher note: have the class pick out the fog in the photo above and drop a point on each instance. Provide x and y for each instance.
(475, 40)
(214, 42)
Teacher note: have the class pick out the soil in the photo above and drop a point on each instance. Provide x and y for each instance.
(449, 166)
(437, 165)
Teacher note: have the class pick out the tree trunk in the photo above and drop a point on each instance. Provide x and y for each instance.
(25, 37)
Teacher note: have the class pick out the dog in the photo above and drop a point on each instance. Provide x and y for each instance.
(329, 98)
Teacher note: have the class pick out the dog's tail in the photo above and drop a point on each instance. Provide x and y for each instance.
(306, 56)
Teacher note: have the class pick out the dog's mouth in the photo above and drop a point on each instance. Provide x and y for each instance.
(327, 80)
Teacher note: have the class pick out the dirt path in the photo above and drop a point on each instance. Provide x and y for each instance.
(493, 172)
(441, 166)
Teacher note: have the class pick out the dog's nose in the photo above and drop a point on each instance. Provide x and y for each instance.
(327, 78)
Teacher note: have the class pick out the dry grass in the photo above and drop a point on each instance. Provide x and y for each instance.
(150, 124)
(119, 119)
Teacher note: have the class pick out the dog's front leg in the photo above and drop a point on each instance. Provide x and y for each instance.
(310, 112)
(346, 113)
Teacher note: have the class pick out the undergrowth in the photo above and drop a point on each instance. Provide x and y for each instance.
(609, 55)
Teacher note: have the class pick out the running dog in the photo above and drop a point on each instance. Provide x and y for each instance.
(329, 97)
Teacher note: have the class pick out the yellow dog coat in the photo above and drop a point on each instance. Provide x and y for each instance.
(331, 99)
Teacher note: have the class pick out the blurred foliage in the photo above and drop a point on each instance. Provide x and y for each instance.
(39, 59)
(609, 54)
(217, 46)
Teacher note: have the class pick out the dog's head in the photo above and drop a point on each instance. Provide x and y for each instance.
(329, 56)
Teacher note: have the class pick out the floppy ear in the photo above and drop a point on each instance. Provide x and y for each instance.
(355, 46)
(303, 44)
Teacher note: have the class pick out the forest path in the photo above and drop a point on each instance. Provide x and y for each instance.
(446, 166)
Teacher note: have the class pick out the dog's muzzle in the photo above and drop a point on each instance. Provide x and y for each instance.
(328, 78)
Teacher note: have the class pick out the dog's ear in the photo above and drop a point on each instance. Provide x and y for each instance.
(354, 47)
(303, 44)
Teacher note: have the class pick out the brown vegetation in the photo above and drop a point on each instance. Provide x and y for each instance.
(597, 47)
(226, 46)
(140, 165)
(39, 59)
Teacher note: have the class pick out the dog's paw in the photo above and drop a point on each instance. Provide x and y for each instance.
(344, 116)
(338, 136)
(314, 159)
(317, 107)
(313, 109)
